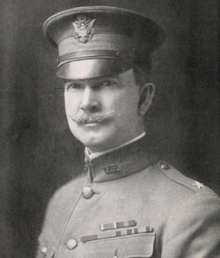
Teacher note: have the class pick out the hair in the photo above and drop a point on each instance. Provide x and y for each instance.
(142, 75)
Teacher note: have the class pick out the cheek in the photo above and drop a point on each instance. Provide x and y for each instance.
(127, 104)
(71, 102)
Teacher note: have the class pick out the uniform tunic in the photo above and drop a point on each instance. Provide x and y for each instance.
(130, 204)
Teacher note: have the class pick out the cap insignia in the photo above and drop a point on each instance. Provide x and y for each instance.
(83, 28)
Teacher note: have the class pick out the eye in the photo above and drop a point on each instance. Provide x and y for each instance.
(108, 83)
(73, 86)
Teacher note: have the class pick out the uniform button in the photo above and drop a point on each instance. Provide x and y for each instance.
(164, 165)
(44, 250)
(87, 192)
(71, 244)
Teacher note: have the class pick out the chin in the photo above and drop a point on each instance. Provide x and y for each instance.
(96, 137)
(96, 142)
(89, 138)
(95, 145)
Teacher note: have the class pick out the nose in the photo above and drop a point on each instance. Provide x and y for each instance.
(90, 101)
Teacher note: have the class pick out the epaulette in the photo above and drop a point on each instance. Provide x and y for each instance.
(174, 175)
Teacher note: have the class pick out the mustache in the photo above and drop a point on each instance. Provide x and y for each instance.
(87, 117)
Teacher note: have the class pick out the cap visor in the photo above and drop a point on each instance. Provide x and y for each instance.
(92, 68)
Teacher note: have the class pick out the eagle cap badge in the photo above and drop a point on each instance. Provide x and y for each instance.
(83, 28)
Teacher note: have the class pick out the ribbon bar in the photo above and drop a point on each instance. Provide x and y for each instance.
(115, 225)
(111, 234)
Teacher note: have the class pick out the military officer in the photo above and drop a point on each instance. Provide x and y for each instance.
(128, 203)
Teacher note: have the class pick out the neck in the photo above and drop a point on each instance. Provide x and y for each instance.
(93, 155)
(139, 129)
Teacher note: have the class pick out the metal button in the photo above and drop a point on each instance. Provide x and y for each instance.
(87, 192)
(71, 244)
(44, 250)
(164, 165)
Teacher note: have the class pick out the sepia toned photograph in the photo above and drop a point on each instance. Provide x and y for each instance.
(110, 129)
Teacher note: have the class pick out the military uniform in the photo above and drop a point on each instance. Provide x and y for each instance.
(128, 203)
(132, 205)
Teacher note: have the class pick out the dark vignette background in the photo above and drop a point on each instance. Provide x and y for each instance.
(37, 149)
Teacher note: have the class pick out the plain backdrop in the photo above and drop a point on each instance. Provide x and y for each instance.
(39, 154)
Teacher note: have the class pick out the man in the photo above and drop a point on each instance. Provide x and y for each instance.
(128, 203)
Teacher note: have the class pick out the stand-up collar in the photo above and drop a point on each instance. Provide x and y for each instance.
(95, 155)
(120, 163)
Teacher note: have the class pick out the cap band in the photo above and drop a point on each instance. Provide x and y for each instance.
(90, 54)
(98, 42)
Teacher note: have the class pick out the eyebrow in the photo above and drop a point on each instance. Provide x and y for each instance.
(94, 80)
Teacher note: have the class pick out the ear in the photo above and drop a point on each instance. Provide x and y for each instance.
(146, 96)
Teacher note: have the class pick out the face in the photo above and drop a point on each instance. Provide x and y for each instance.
(102, 113)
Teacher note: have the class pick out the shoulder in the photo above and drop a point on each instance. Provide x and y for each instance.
(197, 200)
(168, 174)
(194, 215)
(57, 214)
(62, 201)
(178, 191)
(66, 195)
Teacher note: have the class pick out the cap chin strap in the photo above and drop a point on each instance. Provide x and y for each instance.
(95, 54)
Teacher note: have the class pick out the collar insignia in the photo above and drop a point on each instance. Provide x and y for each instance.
(111, 169)
(83, 29)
